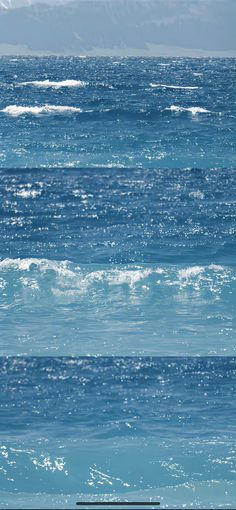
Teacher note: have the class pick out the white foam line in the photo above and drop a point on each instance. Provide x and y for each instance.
(16, 111)
(181, 87)
(55, 84)
(194, 110)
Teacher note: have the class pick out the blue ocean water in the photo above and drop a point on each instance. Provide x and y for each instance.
(118, 112)
(125, 429)
(117, 227)
(118, 188)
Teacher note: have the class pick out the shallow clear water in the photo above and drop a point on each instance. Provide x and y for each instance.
(126, 428)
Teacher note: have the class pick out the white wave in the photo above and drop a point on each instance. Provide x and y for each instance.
(55, 84)
(130, 277)
(16, 111)
(116, 275)
(216, 267)
(189, 272)
(181, 87)
(27, 193)
(70, 282)
(65, 282)
(197, 194)
(194, 110)
(42, 265)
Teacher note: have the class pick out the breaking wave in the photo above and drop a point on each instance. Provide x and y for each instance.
(194, 110)
(55, 84)
(101, 309)
(16, 111)
(164, 86)
(70, 280)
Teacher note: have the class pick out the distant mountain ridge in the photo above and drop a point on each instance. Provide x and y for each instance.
(122, 27)
(15, 4)
(12, 4)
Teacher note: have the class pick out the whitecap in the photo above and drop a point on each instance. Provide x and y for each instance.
(66, 282)
(191, 271)
(43, 265)
(27, 193)
(181, 87)
(16, 111)
(216, 267)
(197, 194)
(55, 84)
(194, 110)
(130, 278)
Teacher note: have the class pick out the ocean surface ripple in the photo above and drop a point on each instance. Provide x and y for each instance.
(125, 112)
(100, 255)
(175, 414)
(118, 238)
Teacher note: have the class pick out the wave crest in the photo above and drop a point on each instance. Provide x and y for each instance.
(16, 111)
(66, 279)
(194, 110)
(54, 84)
(164, 86)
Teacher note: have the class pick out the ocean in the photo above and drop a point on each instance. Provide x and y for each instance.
(117, 281)
(118, 204)
(118, 429)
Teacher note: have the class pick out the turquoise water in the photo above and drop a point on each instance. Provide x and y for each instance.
(118, 429)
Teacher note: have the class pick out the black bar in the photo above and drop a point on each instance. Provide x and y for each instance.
(117, 503)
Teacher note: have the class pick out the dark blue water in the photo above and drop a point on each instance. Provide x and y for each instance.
(126, 428)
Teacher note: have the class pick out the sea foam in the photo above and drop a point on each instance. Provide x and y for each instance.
(181, 87)
(27, 193)
(125, 305)
(16, 111)
(194, 110)
(55, 84)
(72, 276)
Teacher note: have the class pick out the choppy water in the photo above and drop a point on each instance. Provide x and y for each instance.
(117, 187)
(100, 257)
(117, 228)
(126, 428)
(73, 112)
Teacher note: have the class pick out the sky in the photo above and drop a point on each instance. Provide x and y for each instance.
(118, 27)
